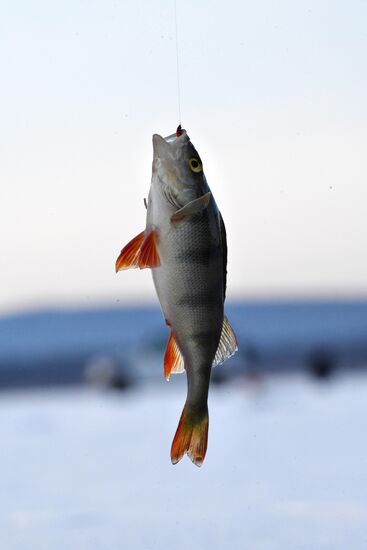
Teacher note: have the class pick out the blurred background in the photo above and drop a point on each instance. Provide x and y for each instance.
(273, 95)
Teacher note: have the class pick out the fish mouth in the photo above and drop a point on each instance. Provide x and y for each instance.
(179, 135)
(162, 145)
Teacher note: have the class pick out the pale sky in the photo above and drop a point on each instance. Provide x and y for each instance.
(273, 97)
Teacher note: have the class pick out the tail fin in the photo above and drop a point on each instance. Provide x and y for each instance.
(191, 436)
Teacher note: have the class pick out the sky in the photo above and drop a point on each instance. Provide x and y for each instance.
(273, 96)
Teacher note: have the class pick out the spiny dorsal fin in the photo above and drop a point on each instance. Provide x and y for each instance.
(140, 252)
(227, 344)
(173, 360)
(192, 207)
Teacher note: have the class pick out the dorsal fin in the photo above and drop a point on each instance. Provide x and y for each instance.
(173, 360)
(140, 252)
(227, 344)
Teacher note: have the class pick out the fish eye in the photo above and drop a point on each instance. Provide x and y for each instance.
(195, 164)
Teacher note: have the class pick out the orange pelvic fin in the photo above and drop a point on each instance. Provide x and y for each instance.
(173, 360)
(140, 252)
(191, 437)
(149, 256)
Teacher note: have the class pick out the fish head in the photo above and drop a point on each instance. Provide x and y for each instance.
(178, 166)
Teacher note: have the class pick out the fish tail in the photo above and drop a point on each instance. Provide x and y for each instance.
(191, 436)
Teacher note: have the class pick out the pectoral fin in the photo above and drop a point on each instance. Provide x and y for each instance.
(227, 344)
(192, 207)
(173, 360)
(140, 252)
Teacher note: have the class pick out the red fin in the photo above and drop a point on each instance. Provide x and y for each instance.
(141, 252)
(191, 437)
(149, 256)
(173, 360)
(129, 255)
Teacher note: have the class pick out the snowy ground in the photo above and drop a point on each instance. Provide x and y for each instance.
(286, 469)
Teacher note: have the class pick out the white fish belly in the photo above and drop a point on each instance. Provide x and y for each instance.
(189, 284)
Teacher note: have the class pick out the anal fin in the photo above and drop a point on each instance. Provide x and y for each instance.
(173, 360)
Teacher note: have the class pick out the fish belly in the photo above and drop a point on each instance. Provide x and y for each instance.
(189, 284)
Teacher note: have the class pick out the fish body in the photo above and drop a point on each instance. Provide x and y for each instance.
(184, 243)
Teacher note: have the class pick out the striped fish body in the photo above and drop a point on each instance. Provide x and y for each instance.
(190, 285)
(184, 243)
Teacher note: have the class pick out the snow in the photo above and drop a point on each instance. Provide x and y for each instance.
(286, 468)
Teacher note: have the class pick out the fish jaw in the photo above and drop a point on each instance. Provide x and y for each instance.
(172, 163)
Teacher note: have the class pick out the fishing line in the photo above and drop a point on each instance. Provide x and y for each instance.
(177, 63)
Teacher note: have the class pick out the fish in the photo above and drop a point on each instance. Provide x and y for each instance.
(184, 244)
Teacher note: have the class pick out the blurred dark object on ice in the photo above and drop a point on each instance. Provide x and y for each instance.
(118, 347)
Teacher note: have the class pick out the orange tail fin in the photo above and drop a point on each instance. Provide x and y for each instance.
(191, 437)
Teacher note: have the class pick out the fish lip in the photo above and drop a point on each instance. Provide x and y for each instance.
(161, 149)
(166, 151)
(173, 137)
(161, 144)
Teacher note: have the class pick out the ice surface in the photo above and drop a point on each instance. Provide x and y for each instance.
(286, 468)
